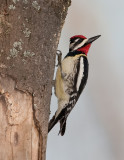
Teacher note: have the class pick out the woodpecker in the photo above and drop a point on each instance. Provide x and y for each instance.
(71, 78)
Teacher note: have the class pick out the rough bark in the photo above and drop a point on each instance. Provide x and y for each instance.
(29, 34)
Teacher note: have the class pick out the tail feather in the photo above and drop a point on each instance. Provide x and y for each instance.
(62, 117)
(52, 123)
(62, 126)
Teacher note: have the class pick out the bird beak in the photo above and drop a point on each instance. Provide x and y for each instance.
(90, 40)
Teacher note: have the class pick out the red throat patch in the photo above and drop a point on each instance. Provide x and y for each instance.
(85, 49)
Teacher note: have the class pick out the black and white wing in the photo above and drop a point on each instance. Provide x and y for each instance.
(79, 80)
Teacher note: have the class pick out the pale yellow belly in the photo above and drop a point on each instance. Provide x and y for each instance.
(59, 86)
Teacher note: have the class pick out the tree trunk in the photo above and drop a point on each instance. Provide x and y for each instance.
(29, 34)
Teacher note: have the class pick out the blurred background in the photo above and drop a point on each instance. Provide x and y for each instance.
(95, 127)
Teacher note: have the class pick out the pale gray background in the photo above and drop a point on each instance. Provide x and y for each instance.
(95, 128)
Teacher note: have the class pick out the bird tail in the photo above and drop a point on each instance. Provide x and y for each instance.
(62, 120)
(51, 123)
(62, 117)
(62, 126)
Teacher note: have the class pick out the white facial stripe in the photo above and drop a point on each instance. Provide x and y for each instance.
(80, 75)
(81, 44)
(76, 40)
(73, 42)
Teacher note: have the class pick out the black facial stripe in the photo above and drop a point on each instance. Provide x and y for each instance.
(72, 40)
(76, 43)
(86, 44)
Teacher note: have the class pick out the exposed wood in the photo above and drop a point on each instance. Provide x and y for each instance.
(18, 134)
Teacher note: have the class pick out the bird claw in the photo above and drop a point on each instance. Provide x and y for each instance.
(59, 57)
(53, 83)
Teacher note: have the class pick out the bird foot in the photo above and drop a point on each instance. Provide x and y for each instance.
(59, 57)
(53, 83)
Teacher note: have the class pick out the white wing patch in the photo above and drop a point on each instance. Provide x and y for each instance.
(80, 75)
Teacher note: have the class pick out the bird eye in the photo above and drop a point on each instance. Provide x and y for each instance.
(71, 40)
(74, 40)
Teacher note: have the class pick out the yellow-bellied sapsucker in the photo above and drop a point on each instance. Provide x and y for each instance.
(71, 78)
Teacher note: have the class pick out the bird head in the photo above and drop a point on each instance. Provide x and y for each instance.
(81, 43)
